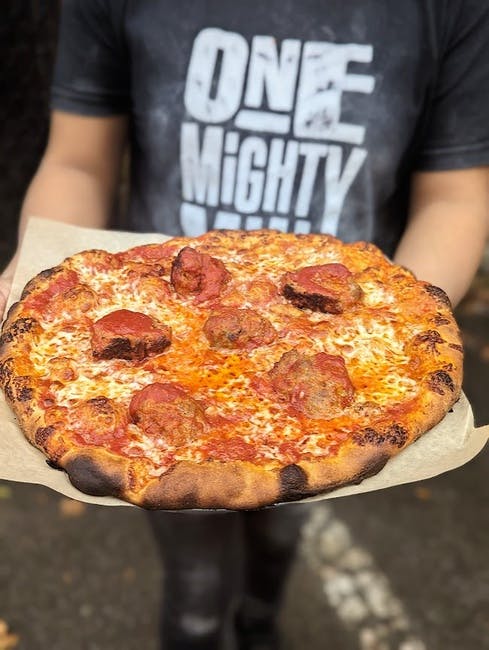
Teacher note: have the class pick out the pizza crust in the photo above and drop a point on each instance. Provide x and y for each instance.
(239, 485)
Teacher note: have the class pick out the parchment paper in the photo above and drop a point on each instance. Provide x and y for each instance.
(450, 444)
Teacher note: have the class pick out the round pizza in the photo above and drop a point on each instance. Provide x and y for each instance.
(233, 370)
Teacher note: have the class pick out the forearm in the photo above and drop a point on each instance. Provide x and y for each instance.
(63, 193)
(77, 179)
(444, 247)
(447, 229)
(67, 194)
(78, 176)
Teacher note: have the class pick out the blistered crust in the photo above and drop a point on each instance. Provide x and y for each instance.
(236, 485)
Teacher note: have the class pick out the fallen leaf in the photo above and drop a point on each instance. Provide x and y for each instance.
(71, 508)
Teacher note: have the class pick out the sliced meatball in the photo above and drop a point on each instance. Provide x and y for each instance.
(329, 288)
(166, 410)
(198, 274)
(317, 386)
(125, 334)
(99, 420)
(234, 328)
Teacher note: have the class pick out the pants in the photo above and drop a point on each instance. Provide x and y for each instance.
(218, 564)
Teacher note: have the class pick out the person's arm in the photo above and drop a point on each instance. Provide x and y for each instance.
(77, 179)
(447, 228)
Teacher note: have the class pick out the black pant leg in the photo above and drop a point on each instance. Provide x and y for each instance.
(200, 560)
(271, 540)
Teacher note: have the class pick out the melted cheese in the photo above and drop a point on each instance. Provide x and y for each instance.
(371, 340)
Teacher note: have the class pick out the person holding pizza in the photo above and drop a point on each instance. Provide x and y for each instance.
(365, 120)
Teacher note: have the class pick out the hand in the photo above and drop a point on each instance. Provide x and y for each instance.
(5, 284)
(6, 278)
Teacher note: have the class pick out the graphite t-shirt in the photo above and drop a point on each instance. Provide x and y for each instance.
(299, 115)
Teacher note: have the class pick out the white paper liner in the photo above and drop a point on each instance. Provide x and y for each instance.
(452, 443)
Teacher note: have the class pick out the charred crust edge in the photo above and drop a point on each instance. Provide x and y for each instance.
(53, 464)
(438, 294)
(19, 389)
(441, 320)
(17, 329)
(90, 477)
(6, 370)
(293, 483)
(430, 339)
(43, 275)
(395, 435)
(457, 347)
(42, 435)
(373, 467)
(187, 501)
(439, 381)
(10, 314)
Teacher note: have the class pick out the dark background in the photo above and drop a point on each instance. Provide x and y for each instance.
(27, 47)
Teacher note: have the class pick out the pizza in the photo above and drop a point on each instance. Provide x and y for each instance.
(235, 370)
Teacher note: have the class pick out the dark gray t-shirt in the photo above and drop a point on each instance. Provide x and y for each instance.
(300, 115)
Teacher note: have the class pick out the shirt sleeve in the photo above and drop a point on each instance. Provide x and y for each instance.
(457, 130)
(91, 73)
